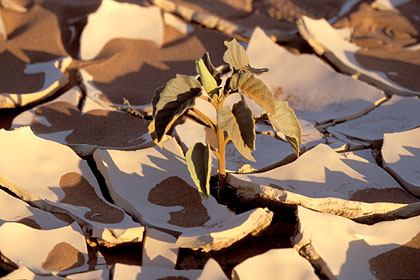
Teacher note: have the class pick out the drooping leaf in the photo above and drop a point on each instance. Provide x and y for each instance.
(240, 127)
(199, 165)
(284, 121)
(178, 95)
(293, 142)
(255, 89)
(152, 132)
(208, 81)
(235, 56)
(156, 98)
(213, 71)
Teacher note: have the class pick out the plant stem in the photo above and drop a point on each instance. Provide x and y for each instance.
(208, 99)
(221, 150)
(204, 118)
(221, 143)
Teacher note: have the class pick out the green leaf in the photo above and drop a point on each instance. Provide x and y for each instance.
(206, 78)
(199, 165)
(255, 89)
(178, 96)
(235, 56)
(213, 71)
(240, 127)
(284, 121)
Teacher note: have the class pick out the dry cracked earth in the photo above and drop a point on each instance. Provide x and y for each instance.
(85, 193)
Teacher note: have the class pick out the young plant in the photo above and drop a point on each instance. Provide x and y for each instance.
(234, 123)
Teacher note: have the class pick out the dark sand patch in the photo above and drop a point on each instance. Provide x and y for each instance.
(79, 192)
(399, 263)
(140, 66)
(64, 217)
(173, 278)
(291, 10)
(34, 36)
(63, 257)
(174, 191)
(96, 127)
(30, 223)
(393, 195)
(374, 28)
(399, 65)
(12, 77)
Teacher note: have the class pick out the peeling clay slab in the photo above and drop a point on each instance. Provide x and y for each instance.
(228, 17)
(159, 249)
(284, 264)
(277, 18)
(315, 91)
(388, 5)
(396, 115)
(376, 66)
(380, 251)
(84, 130)
(53, 78)
(61, 250)
(389, 41)
(211, 270)
(401, 158)
(100, 29)
(21, 27)
(72, 96)
(380, 29)
(35, 63)
(20, 212)
(99, 274)
(409, 9)
(3, 28)
(326, 181)
(289, 10)
(154, 186)
(64, 186)
(140, 66)
(208, 13)
(223, 8)
(27, 274)
(345, 145)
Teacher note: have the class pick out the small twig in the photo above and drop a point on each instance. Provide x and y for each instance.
(216, 153)
(208, 99)
(227, 140)
(130, 109)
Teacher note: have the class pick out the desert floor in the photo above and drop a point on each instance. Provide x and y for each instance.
(86, 193)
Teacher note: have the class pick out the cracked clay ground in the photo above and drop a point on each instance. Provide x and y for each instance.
(86, 194)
